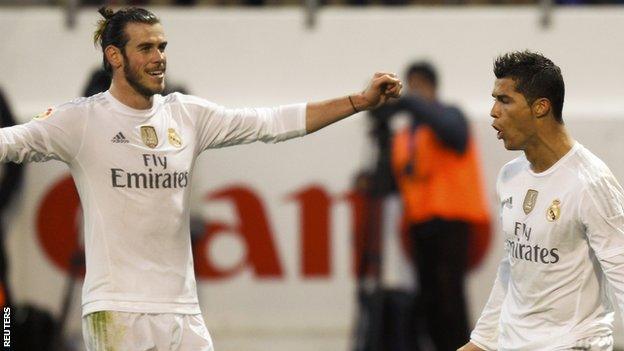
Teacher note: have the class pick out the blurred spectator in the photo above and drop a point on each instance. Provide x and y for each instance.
(434, 161)
(99, 81)
(32, 327)
(10, 179)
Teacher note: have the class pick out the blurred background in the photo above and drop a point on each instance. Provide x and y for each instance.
(300, 245)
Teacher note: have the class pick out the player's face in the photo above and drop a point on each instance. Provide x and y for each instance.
(144, 58)
(513, 118)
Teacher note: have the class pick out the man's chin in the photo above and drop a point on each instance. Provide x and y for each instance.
(159, 89)
(148, 93)
(509, 146)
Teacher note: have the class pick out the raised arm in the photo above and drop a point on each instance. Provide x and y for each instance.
(218, 126)
(382, 87)
(54, 134)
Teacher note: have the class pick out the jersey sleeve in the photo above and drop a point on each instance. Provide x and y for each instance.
(55, 134)
(602, 214)
(218, 126)
(485, 334)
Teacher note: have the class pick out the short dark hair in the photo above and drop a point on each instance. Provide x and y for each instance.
(424, 69)
(535, 76)
(111, 29)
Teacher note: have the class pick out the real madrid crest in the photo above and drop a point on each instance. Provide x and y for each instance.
(174, 138)
(554, 211)
(148, 134)
(529, 201)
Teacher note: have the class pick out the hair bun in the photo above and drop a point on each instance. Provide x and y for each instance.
(106, 12)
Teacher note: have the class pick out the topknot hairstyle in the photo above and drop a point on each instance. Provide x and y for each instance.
(111, 28)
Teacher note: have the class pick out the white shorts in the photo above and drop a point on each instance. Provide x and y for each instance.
(123, 331)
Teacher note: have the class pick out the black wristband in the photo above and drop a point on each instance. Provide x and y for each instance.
(352, 104)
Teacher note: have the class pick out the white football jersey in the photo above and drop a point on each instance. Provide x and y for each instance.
(564, 242)
(133, 170)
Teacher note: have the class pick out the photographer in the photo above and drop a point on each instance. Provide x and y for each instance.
(434, 162)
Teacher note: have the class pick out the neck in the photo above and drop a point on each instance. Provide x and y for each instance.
(551, 144)
(126, 94)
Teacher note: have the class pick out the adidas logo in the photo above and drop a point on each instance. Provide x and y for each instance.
(508, 202)
(119, 138)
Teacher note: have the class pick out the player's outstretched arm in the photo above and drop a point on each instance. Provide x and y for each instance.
(470, 347)
(54, 134)
(382, 87)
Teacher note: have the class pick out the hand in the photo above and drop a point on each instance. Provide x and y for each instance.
(381, 88)
(470, 347)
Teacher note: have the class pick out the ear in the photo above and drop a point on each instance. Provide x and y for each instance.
(114, 56)
(541, 107)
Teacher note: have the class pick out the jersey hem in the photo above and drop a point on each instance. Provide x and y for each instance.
(140, 307)
(481, 345)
